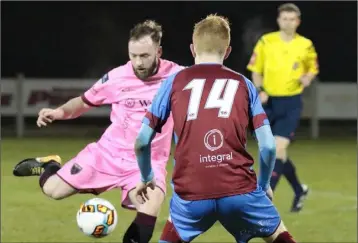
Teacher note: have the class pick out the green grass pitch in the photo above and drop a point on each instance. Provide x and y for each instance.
(327, 166)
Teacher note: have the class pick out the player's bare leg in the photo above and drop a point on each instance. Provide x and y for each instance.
(56, 188)
(285, 166)
(141, 229)
(46, 167)
(281, 235)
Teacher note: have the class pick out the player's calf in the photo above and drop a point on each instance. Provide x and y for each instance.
(284, 166)
(51, 184)
(45, 167)
(141, 229)
(56, 188)
(281, 156)
(281, 235)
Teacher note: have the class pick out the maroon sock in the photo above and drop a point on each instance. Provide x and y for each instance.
(169, 234)
(284, 237)
(50, 169)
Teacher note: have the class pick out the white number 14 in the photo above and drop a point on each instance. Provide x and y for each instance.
(214, 101)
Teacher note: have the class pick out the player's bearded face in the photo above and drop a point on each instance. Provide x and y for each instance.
(144, 55)
(288, 22)
(143, 72)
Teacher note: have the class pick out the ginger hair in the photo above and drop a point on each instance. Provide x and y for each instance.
(212, 35)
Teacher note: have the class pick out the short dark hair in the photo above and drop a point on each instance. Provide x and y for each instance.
(289, 7)
(147, 28)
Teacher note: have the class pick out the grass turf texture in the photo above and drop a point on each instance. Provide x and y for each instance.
(327, 166)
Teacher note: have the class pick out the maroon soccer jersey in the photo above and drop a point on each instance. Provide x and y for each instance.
(213, 107)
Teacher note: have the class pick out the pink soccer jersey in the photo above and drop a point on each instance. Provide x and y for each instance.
(130, 98)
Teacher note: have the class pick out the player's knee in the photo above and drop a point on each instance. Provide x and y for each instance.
(281, 153)
(51, 191)
(49, 186)
(58, 195)
(55, 189)
(47, 189)
(280, 229)
(282, 142)
(153, 205)
(281, 147)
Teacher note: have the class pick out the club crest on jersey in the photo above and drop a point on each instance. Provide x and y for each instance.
(129, 103)
(105, 78)
(295, 66)
(75, 169)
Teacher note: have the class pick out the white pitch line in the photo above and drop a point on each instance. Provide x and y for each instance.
(336, 209)
(332, 194)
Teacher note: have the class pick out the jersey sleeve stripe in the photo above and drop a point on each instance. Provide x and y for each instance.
(260, 120)
(86, 101)
(154, 122)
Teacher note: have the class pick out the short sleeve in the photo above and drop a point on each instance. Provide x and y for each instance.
(312, 60)
(101, 93)
(258, 116)
(256, 63)
(160, 108)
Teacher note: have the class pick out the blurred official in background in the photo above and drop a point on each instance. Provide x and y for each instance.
(283, 63)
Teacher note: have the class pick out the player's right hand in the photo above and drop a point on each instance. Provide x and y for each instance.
(263, 97)
(269, 193)
(141, 190)
(48, 115)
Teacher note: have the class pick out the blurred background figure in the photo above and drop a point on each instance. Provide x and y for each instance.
(283, 63)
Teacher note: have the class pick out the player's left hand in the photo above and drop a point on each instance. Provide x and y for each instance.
(305, 80)
(141, 190)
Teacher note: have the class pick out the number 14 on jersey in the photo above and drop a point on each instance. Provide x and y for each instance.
(224, 104)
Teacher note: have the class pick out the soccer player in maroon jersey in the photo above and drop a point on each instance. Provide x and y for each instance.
(214, 180)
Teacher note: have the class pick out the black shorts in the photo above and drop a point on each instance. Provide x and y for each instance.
(284, 114)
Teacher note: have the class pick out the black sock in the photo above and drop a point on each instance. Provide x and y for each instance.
(141, 230)
(289, 170)
(50, 169)
(276, 174)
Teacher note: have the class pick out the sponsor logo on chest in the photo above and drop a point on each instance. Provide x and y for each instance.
(137, 103)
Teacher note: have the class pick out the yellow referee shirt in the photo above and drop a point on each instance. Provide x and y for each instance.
(283, 63)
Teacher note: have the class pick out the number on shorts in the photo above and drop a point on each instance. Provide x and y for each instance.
(213, 101)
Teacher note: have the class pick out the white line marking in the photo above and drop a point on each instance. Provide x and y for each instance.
(332, 194)
(340, 209)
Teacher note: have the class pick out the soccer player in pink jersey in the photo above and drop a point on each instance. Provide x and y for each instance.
(111, 162)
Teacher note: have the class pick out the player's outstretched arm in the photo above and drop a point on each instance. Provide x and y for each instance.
(267, 147)
(143, 152)
(70, 110)
(74, 108)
